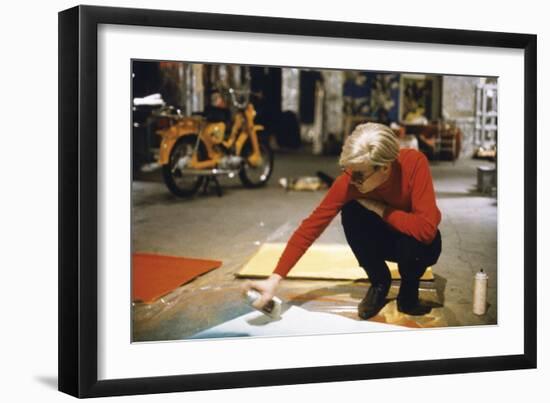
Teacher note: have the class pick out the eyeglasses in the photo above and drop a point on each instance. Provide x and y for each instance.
(359, 177)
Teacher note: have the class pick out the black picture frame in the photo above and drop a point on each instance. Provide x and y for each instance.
(78, 187)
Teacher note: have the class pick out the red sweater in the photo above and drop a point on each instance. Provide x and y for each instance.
(409, 196)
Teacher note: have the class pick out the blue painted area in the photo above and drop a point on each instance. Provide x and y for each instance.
(373, 95)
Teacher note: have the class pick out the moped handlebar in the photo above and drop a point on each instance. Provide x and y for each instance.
(234, 93)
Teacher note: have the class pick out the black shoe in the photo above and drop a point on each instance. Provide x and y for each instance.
(416, 309)
(373, 302)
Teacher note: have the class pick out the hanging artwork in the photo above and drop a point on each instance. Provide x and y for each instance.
(420, 98)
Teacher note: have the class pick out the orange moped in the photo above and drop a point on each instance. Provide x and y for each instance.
(202, 147)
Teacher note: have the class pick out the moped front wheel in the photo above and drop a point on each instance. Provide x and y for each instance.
(256, 175)
(182, 184)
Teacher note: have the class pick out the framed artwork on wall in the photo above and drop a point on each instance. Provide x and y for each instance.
(100, 51)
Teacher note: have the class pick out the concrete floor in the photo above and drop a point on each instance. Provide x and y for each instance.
(232, 227)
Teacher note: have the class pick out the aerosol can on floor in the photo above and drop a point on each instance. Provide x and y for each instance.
(480, 293)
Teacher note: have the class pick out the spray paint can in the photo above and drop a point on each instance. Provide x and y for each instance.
(272, 308)
(480, 293)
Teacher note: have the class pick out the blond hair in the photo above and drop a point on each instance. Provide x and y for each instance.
(374, 144)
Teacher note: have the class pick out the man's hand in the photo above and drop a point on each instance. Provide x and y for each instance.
(373, 205)
(265, 287)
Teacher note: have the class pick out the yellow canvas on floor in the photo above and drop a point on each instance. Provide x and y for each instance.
(320, 262)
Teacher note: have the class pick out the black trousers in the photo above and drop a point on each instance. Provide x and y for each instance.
(373, 242)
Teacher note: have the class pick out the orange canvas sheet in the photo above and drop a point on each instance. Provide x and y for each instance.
(157, 275)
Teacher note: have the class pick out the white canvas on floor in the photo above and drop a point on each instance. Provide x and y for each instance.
(294, 321)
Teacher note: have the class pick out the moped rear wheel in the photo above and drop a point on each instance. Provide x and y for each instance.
(183, 185)
(256, 176)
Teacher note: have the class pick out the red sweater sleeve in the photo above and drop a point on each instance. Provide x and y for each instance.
(422, 221)
(313, 226)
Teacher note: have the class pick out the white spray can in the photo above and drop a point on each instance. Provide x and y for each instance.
(271, 309)
(480, 293)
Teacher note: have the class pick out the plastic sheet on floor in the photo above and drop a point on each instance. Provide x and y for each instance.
(216, 297)
(342, 298)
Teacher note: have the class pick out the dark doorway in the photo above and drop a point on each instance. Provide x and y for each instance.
(265, 83)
